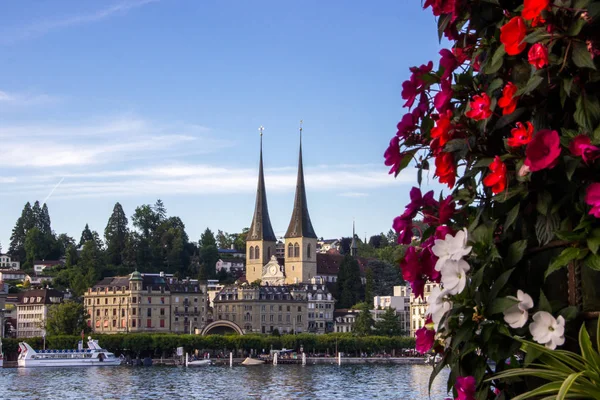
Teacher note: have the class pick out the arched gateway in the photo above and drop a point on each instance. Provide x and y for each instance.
(222, 326)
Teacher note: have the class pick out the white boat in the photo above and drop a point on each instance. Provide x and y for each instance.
(252, 361)
(199, 363)
(94, 355)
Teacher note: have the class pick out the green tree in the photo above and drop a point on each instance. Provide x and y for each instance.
(239, 239)
(349, 286)
(364, 322)
(389, 324)
(369, 285)
(209, 254)
(345, 244)
(86, 235)
(63, 242)
(34, 247)
(44, 220)
(37, 215)
(115, 234)
(224, 240)
(173, 242)
(68, 318)
(385, 277)
(19, 232)
(160, 211)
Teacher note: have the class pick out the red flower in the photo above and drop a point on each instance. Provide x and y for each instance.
(543, 150)
(592, 198)
(465, 387)
(582, 146)
(448, 62)
(441, 101)
(508, 101)
(512, 35)
(533, 8)
(537, 21)
(425, 337)
(497, 179)
(480, 107)
(440, 7)
(521, 135)
(538, 56)
(442, 128)
(415, 85)
(445, 168)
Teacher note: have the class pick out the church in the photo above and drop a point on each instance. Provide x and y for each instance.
(300, 261)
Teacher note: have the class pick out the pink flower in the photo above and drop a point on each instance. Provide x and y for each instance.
(416, 202)
(406, 126)
(480, 107)
(440, 7)
(538, 56)
(465, 387)
(441, 101)
(592, 198)
(404, 228)
(392, 155)
(582, 146)
(409, 91)
(428, 261)
(543, 150)
(425, 337)
(448, 62)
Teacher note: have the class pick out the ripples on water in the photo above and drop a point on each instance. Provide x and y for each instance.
(406, 382)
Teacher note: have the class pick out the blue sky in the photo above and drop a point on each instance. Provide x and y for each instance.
(136, 100)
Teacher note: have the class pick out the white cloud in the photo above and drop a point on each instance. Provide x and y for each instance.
(354, 194)
(25, 99)
(43, 27)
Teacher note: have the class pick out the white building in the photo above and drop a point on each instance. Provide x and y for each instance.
(12, 275)
(40, 265)
(231, 265)
(213, 288)
(418, 308)
(400, 301)
(344, 320)
(6, 262)
(32, 311)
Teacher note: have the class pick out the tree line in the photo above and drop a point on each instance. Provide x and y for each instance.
(156, 242)
(157, 345)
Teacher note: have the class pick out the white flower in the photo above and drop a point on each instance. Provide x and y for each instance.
(451, 248)
(454, 275)
(548, 331)
(516, 315)
(438, 305)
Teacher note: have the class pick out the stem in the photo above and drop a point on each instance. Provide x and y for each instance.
(565, 59)
(552, 245)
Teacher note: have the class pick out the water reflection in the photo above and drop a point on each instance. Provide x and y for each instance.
(406, 382)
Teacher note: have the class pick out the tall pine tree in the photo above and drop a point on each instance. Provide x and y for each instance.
(86, 235)
(19, 233)
(44, 224)
(209, 255)
(115, 234)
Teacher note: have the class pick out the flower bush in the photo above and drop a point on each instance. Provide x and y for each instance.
(509, 121)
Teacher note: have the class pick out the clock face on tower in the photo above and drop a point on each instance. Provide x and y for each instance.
(273, 270)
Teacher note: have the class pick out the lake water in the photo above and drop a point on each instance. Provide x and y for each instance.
(406, 382)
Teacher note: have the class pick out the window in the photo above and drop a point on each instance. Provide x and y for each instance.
(256, 252)
(134, 300)
(133, 323)
(280, 308)
(162, 300)
(271, 317)
(268, 252)
(308, 251)
(122, 313)
(176, 299)
(162, 311)
(149, 312)
(296, 250)
(287, 318)
(299, 309)
(162, 323)
(149, 300)
(133, 310)
(290, 250)
(114, 323)
(123, 324)
(263, 318)
(149, 323)
(280, 318)
(251, 255)
(263, 308)
(97, 312)
(97, 324)
(288, 308)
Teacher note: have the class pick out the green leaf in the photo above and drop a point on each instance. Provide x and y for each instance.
(587, 111)
(493, 65)
(500, 304)
(512, 216)
(515, 253)
(576, 27)
(569, 313)
(531, 85)
(593, 262)
(544, 201)
(509, 118)
(564, 258)
(571, 164)
(545, 228)
(581, 56)
(566, 385)
(571, 236)
(443, 22)
(536, 36)
(500, 283)
(593, 241)
(496, 83)
(455, 145)
(408, 156)
(587, 349)
(544, 304)
(566, 84)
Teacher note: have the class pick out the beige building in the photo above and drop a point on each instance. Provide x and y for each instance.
(8, 262)
(418, 308)
(400, 302)
(344, 320)
(145, 303)
(32, 311)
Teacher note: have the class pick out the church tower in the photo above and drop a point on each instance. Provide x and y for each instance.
(354, 244)
(300, 238)
(260, 242)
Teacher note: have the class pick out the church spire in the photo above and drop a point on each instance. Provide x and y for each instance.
(300, 224)
(261, 228)
(354, 244)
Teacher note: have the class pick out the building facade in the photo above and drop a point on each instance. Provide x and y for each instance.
(146, 303)
(400, 302)
(418, 308)
(8, 262)
(32, 311)
(12, 275)
(344, 320)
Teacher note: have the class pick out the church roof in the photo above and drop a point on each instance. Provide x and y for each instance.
(300, 224)
(261, 228)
